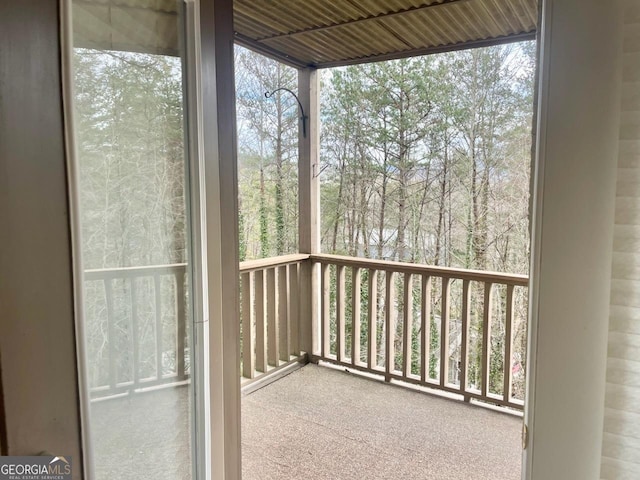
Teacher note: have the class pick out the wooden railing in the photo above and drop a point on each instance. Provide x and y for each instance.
(270, 315)
(460, 331)
(136, 328)
(460, 342)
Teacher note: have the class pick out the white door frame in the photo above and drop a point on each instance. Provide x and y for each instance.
(212, 199)
(572, 235)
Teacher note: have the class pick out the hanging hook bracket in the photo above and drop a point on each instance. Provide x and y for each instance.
(316, 172)
(303, 117)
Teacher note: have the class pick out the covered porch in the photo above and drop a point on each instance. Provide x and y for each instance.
(575, 180)
(433, 399)
(389, 324)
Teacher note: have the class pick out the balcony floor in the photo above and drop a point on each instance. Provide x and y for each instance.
(316, 423)
(320, 423)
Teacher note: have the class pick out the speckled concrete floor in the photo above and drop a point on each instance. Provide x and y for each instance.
(319, 423)
(143, 436)
(316, 423)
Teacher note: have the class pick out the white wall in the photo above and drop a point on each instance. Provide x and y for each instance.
(621, 442)
(574, 208)
(37, 342)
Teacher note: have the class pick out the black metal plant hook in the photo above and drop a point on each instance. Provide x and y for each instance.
(303, 117)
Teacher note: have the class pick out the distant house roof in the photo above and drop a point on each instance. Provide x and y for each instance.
(317, 33)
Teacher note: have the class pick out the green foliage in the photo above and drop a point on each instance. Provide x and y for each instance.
(428, 161)
(425, 160)
(428, 158)
(242, 247)
(267, 155)
(434, 349)
(264, 231)
(132, 168)
(279, 218)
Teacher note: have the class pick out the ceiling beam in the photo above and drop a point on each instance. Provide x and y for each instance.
(379, 16)
(267, 51)
(431, 50)
(297, 63)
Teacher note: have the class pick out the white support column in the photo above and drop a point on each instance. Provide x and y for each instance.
(573, 227)
(221, 231)
(309, 203)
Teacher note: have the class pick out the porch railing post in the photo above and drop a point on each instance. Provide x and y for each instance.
(309, 207)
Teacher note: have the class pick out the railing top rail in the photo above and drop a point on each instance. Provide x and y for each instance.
(250, 265)
(446, 272)
(100, 273)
